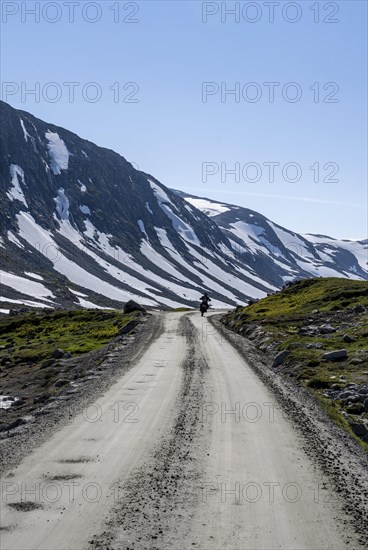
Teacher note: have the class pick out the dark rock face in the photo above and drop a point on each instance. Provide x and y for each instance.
(131, 306)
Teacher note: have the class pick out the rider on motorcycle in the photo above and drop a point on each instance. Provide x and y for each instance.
(205, 303)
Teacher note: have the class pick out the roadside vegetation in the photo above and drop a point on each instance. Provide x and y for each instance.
(49, 354)
(34, 336)
(307, 320)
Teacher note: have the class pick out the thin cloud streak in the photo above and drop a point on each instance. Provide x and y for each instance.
(283, 197)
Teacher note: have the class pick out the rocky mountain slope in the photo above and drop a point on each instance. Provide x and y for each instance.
(81, 227)
(280, 254)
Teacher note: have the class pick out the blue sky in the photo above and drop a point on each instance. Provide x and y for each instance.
(179, 134)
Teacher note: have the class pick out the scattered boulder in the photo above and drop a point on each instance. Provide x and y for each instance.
(19, 402)
(280, 358)
(58, 354)
(355, 408)
(309, 330)
(358, 309)
(345, 395)
(128, 327)
(337, 355)
(359, 428)
(326, 329)
(355, 398)
(42, 398)
(131, 306)
(19, 311)
(59, 383)
(365, 405)
(315, 345)
(348, 339)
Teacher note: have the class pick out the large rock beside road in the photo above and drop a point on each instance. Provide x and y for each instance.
(131, 306)
(128, 327)
(280, 358)
(58, 354)
(337, 355)
(358, 428)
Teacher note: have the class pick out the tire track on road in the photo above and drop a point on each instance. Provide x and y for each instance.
(155, 506)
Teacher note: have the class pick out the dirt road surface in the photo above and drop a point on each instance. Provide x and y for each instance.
(188, 449)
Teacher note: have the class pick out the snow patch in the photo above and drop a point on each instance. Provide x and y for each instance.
(88, 305)
(6, 401)
(149, 208)
(78, 293)
(14, 239)
(25, 133)
(84, 209)
(184, 230)
(142, 228)
(207, 207)
(16, 192)
(33, 275)
(58, 153)
(25, 302)
(62, 204)
(83, 188)
(25, 286)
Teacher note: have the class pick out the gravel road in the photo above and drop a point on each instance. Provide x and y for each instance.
(189, 448)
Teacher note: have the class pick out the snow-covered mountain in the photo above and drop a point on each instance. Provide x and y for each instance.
(280, 253)
(81, 227)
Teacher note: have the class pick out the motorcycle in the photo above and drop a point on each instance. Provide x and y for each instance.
(203, 308)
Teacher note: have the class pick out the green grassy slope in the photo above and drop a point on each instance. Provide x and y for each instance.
(279, 322)
(34, 336)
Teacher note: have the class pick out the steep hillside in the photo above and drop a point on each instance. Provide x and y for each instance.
(80, 226)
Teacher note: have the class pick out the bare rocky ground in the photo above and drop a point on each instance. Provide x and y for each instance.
(85, 378)
(341, 458)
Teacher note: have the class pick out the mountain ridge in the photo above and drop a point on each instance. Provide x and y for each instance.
(81, 227)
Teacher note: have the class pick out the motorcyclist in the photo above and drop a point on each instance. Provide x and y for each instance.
(205, 303)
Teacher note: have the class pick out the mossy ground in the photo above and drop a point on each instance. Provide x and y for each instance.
(27, 370)
(34, 336)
